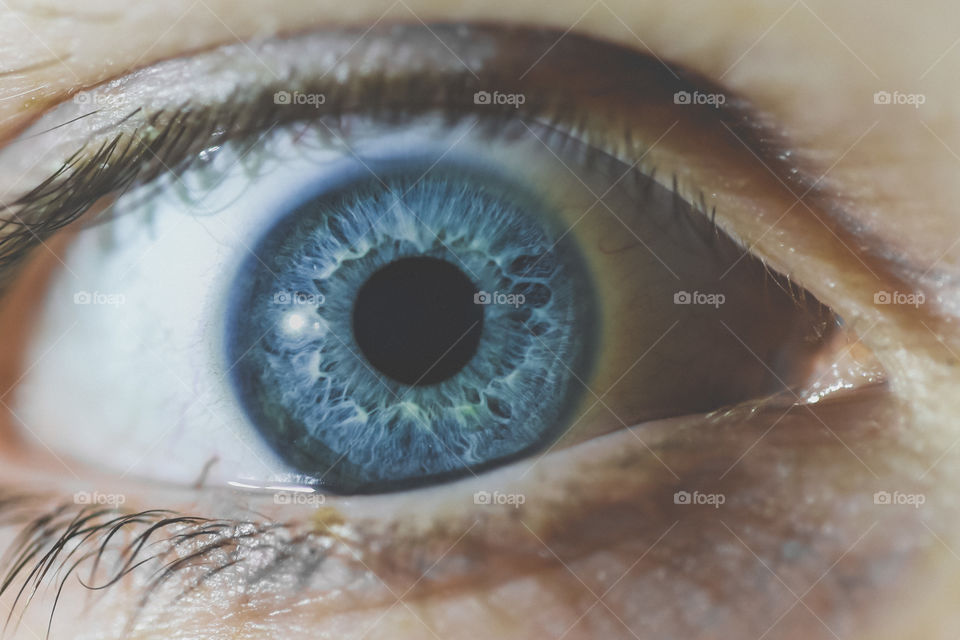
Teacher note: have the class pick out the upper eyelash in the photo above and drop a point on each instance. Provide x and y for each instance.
(171, 140)
(168, 138)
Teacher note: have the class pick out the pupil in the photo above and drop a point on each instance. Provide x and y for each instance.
(415, 320)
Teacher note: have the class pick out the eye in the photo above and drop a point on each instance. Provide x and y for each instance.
(416, 321)
(353, 284)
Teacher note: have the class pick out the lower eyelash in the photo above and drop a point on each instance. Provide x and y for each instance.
(166, 557)
(69, 540)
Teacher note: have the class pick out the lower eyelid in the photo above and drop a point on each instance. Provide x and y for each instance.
(556, 495)
(364, 552)
(628, 479)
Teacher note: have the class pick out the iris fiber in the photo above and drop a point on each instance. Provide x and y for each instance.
(309, 378)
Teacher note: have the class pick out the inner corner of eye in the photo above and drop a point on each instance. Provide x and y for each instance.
(412, 306)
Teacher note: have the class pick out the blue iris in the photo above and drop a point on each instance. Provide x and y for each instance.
(460, 262)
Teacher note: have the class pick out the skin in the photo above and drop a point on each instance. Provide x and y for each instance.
(799, 549)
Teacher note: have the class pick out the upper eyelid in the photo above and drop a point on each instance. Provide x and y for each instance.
(149, 109)
(756, 135)
(764, 153)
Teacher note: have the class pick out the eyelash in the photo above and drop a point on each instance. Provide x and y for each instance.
(68, 538)
(171, 141)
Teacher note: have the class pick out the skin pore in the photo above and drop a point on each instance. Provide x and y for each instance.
(799, 549)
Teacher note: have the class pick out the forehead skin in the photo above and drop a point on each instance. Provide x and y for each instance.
(812, 66)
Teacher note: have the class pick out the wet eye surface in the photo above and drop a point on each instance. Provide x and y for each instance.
(360, 296)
